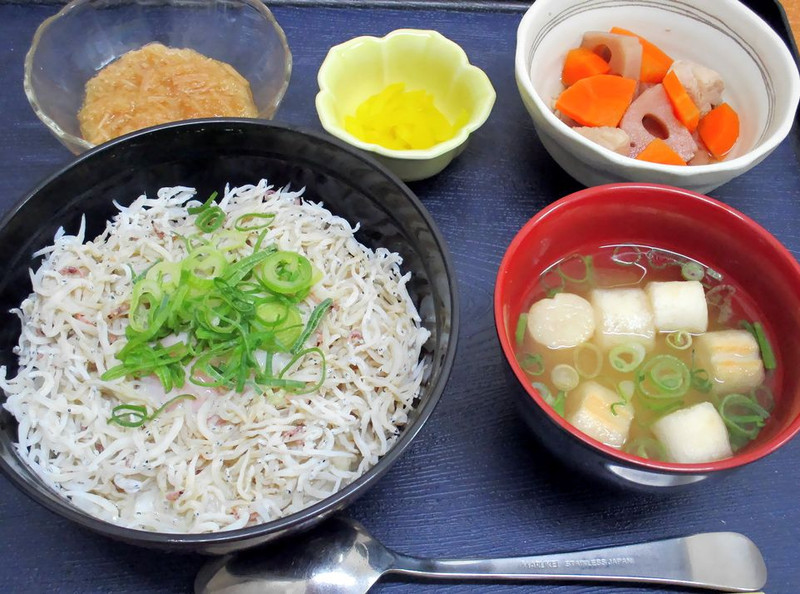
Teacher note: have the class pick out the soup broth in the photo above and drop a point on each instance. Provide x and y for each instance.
(650, 352)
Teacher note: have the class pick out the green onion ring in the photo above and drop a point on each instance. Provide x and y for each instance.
(577, 359)
(742, 415)
(135, 415)
(532, 364)
(239, 223)
(618, 255)
(588, 267)
(627, 357)
(560, 403)
(519, 333)
(679, 340)
(564, 377)
(693, 271)
(285, 272)
(701, 381)
(313, 321)
(663, 377)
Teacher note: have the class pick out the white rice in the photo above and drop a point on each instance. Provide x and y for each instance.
(224, 460)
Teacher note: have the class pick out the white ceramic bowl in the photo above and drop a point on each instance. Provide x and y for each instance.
(760, 75)
(355, 70)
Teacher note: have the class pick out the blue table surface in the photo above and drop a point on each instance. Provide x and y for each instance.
(474, 483)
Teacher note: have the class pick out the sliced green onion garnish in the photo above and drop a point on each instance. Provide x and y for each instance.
(209, 216)
(544, 392)
(679, 339)
(227, 312)
(626, 255)
(627, 357)
(564, 377)
(625, 390)
(585, 265)
(552, 282)
(211, 219)
(207, 204)
(532, 364)
(266, 218)
(519, 332)
(588, 359)
(742, 415)
(135, 415)
(228, 240)
(693, 271)
(313, 321)
(659, 259)
(560, 403)
(663, 377)
(701, 381)
(767, 354)
(304, 389)
(286, 273)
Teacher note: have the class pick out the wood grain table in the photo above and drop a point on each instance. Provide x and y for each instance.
(792, 8)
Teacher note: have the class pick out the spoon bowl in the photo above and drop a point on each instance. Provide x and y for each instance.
(341, 557)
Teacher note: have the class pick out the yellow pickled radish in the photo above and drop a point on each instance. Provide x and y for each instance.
(402, 120)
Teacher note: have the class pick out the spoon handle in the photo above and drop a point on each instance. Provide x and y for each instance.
(725, 561)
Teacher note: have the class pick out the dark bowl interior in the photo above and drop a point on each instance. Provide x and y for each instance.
(207, 154)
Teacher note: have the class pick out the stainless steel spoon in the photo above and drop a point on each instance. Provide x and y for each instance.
(341, 557)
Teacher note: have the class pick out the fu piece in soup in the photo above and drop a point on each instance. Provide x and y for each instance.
(649, 352)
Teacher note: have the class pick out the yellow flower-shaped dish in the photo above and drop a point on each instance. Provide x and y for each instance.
(360, 68)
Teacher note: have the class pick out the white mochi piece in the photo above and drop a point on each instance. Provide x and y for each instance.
(731, 358)
(563, 321)
(693, 435)
(622, 316)
(678, 305)
(589, 408)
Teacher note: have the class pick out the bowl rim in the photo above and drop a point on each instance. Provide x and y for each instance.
(595, 195)
(304, 518)
(78, 141)
(476, 121)
(787, 64)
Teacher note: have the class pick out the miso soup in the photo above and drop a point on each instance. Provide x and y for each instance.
(650, 352)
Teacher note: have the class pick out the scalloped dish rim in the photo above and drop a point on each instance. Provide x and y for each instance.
(478, 118)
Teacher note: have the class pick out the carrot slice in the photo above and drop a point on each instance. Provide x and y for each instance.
(581, 63)
(655, 63)
(659, 151)
(599, 100)
(683, 106)
(719, 129)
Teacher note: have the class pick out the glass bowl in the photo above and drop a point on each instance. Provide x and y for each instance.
(242, 33)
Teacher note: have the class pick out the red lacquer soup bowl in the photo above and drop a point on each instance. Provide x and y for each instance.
(675, 220)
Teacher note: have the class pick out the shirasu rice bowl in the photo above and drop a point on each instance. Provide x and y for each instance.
(220, 459)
